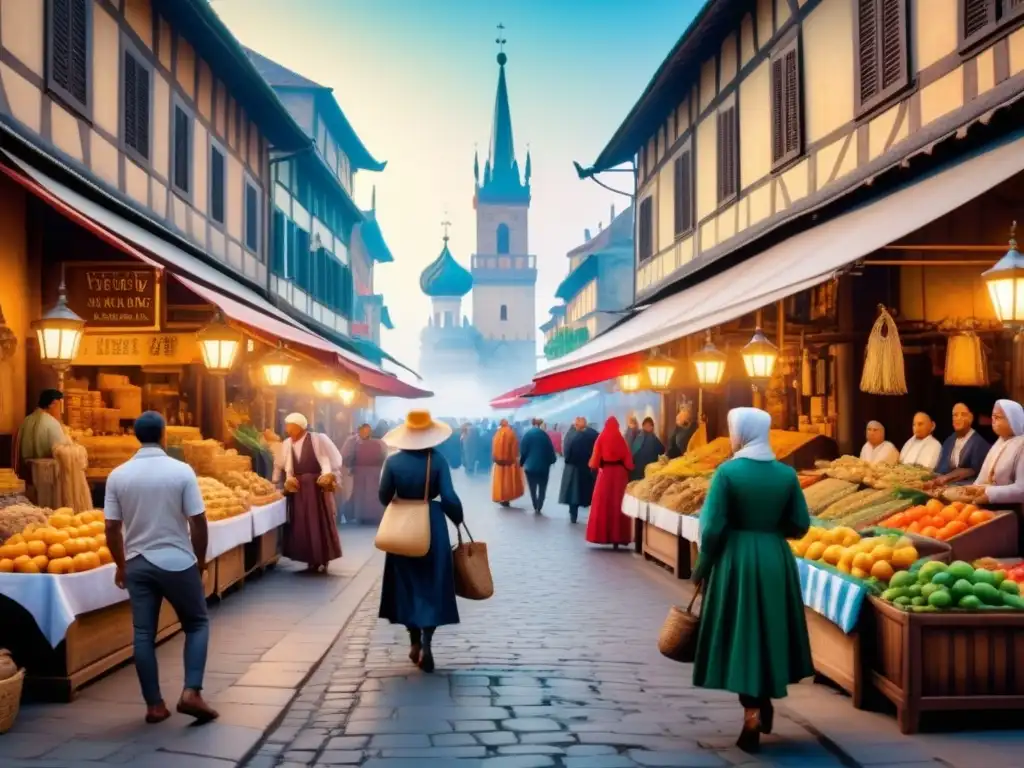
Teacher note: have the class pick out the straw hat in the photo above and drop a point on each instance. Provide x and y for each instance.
(418, 433)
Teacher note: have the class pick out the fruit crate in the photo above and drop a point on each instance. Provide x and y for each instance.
(947, 661)
(668, 549)
(995, 538)
(838, 655)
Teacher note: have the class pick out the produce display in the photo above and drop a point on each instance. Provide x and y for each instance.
(936, 586)
(652, 487)
(14, 518)
(222, 502)
(937, 520)
(686, 496)
(821, 496)
(209, 458)
(875, 557)
(10, 483)
(855, 470)
(256, 485)
(64, 542)
(706, 458)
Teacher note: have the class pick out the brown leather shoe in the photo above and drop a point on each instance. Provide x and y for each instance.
(192, 704)
(157, 714)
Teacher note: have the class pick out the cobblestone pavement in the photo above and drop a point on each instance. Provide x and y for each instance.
(560, 668)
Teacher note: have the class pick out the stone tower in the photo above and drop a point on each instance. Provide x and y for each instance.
(504, 272)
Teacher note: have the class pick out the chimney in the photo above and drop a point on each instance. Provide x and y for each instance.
(586, 235)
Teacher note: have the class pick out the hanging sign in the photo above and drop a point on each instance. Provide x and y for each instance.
(141, 349)
(114, 295)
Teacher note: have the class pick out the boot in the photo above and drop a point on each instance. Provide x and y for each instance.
(750, 737)
(767, 717)
(574, 513)
(414, 646)
(427, 655)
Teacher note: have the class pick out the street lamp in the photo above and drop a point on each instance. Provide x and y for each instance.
(659, 371)
(219, 343)
(629, 382)
(325, 387)
(759, 358)
(277, 368)
(1005, 281)
(347, 396)
(709, 363)
(59, 333)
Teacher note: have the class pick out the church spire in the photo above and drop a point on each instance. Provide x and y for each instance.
(502, 180)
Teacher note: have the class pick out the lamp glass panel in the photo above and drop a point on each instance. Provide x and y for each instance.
(347, 396)
(1007, 294)
(325, 387)
(277, 374)
(219, 354)
(759, 365)
(660, 375)
(710, 372)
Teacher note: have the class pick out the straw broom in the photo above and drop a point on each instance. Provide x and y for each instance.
(883, 359)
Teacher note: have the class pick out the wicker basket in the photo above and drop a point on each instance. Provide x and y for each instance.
(10, 700)
(678, 637)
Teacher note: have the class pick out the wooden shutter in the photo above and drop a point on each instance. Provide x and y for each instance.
(778, 111)
(728, 169)
(645, 241)
(893, 46)
(794, 128)
(251, 217)
(882, 61)
(68, 40)
(216, 185)
(867, 49)
(683, 177)
(182, 156)
(136, 105)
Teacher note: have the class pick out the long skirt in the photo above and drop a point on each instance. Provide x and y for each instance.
(420, 591)
(507, 482)
(312, 533)
(364, 504)
(607, 524)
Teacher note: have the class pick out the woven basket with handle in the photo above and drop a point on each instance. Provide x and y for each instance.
(678, 637)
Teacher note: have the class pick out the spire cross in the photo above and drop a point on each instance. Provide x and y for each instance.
(500, 40)
(446, 224)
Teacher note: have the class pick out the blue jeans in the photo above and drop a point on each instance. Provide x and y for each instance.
(538, 484)
(148, 586)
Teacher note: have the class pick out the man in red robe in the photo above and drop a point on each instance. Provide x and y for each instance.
(507, 476)
(613, 461)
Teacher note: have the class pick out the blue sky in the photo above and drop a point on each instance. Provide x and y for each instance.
(417, 79)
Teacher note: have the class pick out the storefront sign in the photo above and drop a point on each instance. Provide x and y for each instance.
(138, 349)
(114, 295)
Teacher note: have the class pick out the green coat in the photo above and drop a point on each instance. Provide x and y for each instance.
(753, 635)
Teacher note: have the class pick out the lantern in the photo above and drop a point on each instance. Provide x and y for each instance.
(1005, 282)
(710, 364)
(325, 387)
(277, 368)
(759, 358)
(629, 382)
(965, 361)
(347, 396)
(219, 343)
(659, 371)
(59, 333)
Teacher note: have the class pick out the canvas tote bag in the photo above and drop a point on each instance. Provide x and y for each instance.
(405, 527)
(473, 579)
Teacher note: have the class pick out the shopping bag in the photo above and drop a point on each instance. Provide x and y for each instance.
(678, 637)
(472, 570)
(405, 527)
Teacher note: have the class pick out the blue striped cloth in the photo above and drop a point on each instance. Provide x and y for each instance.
(837, 599)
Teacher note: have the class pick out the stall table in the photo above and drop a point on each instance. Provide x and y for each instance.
(264, 549)
(225, 551)
(664, 536)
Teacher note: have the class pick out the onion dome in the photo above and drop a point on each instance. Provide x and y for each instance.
(444, 276)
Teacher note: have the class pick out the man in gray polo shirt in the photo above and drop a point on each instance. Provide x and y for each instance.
(152, 505)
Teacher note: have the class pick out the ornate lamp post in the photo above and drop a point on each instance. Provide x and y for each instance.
(709, 364)
(659, 371)
(59, 333)
(759, 356)
(277, 368)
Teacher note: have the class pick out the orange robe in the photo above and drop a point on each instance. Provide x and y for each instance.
(506, 476)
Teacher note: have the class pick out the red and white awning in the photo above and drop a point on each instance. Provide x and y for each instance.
(516, 398)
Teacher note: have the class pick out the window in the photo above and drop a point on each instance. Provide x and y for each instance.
(181, 150)
(728, 155)
(787, 133)
(978, 18)
(216, 184)
(252, 216)
(277, 253)
(135, 102)
(683, 182)
(645, 233)
(502, 238)
(301, 259)
(503, 313)
(881, 48)
(69, 26)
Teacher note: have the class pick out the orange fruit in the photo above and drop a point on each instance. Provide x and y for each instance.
(36, 548)
(73, 546)
(899, 520)
(104, 555)
(963, 515)
(979, 516)
(957, 527)
(863, 560)
(41, 562)
(6, 565)
(96, 528)
(101, 539)
(82, 562)
(89, 544)
(958, 506)
(26, 566)
(15, 539)
(904, 557)
(17, 550)
(56, 551)
(882, 571)
(949, 513)
(56, 566)
(933, 506)
(930, 531)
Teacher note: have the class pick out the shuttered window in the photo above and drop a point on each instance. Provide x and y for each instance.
(728, 155)
(787, 113)
(69, 30)
(252, 217)
(980, 18)
(882, 61)
(216, 184)
(645, 227)
(135, 98)
(682, 174)
(181, 150)
(278, 253)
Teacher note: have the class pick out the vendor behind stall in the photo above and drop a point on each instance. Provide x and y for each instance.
(922, 450)
(42, 429)
(878, 450)
(963, 452)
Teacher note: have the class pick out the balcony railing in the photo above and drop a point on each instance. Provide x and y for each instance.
(505, 262)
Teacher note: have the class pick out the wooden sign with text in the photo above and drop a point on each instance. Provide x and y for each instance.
(142, 349)
(115, 296)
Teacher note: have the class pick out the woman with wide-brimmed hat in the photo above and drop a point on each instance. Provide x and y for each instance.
(419, 592)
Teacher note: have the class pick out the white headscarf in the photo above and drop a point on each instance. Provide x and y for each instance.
(297, 419)
(748, 432)
(1014, 414)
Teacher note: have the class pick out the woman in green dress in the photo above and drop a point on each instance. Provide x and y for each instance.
(753, 636)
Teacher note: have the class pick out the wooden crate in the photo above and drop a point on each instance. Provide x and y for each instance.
(270, 547)
(95, 643)
(674, 552)
(230, 570)
(837, 655)
(949, 661)
(209, 578)
(996, 538)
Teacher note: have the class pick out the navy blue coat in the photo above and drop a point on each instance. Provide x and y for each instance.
(536, 452)
(577, 477)
(971, 457)
(420, 591)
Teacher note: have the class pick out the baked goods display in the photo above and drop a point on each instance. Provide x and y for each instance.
(107, 451)
(209, 458)
(64, 542)
(16, 517)
(10, 483)
(221, 501)
(261, 490)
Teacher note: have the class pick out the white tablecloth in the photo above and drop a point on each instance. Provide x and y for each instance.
(54, 601)
(269, 517)
(228, 534)
(684, 526)
(634, 507)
